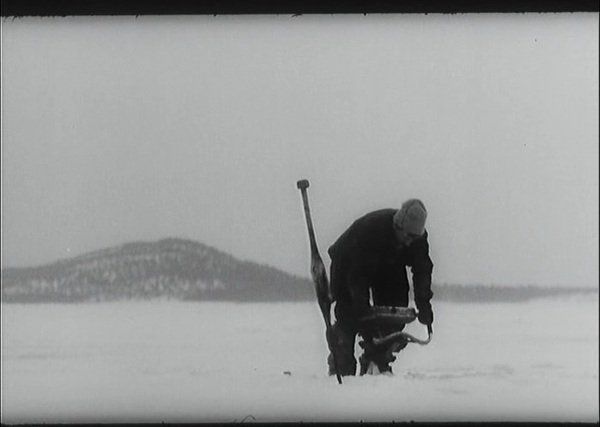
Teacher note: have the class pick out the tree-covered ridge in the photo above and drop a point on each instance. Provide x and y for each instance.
(170, 268)
(494, 293)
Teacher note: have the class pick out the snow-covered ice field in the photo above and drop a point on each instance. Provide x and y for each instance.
(178, 362)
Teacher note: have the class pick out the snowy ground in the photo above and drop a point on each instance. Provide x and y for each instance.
(178, 362)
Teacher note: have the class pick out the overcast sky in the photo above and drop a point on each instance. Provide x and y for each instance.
(124, 129)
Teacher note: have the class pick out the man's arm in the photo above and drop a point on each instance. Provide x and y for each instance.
(422, 267)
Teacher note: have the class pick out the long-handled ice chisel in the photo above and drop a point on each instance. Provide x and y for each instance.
(319, 277)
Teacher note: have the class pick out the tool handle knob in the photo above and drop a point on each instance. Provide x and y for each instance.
(302, 184)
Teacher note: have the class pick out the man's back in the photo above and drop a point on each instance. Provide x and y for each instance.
(370, 235)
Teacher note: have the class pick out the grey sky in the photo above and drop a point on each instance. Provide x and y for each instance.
(122, 129)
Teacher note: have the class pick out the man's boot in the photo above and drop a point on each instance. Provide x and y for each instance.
(377, 359)
(375, 364)
(343, 342)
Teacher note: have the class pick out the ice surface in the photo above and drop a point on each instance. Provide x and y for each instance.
(178, 362)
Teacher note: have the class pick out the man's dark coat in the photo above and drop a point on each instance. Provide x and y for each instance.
(367, 256)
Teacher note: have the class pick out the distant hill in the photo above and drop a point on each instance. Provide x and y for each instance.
(170, 268)
(185, 270)
(489, 294)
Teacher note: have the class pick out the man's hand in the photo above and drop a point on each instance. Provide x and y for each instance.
(425, 316)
